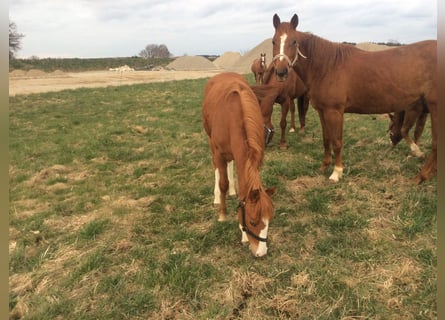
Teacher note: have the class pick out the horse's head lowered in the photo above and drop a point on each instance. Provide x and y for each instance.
(285, 46)
(255, 213)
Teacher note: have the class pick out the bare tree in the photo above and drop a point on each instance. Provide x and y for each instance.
(155, 51)
(15, 39)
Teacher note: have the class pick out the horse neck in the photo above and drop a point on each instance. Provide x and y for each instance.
(322, 57)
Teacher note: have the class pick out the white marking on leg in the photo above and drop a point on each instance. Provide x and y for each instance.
(336, 174)
(262, 245)
(232, 190)
(416, 150)
(216, 190)
(282, 43)
(244, 238)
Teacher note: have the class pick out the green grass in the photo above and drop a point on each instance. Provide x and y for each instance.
(111, 217)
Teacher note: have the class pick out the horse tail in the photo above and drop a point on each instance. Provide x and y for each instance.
(253, 124)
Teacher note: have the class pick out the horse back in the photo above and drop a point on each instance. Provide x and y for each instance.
(383, 81)
(231, 112)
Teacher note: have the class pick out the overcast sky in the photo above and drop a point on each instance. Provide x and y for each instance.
(110, 28)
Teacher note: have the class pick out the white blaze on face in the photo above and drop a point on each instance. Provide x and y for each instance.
(282, 43)
(262, 245)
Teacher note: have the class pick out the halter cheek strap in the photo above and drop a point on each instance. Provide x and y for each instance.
(241, 206)
(289, 62)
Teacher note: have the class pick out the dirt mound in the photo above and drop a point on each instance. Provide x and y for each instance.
(36, 73)
(245, 62)
(227, 60)
(191, 63)
(368, 46)
(17, 73)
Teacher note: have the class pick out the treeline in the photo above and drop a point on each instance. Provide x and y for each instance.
(389, 44)
(87, 64)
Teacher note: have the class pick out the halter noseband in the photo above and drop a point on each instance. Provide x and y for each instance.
(241, 206)
(289, 62)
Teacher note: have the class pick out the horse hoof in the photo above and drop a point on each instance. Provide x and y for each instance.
(292, 130)
(283, 147)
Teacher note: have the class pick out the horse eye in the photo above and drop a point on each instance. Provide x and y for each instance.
(253, 223)
(273, 42)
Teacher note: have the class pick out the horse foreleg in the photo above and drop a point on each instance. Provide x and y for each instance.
(221, 187)
(334, 125)
(283, 123)
(420, 125)
(231, 177)
(326, 143)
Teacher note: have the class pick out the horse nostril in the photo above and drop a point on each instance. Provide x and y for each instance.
(281, 74)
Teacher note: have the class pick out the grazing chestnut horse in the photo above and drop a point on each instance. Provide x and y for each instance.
(258, 68)
(402, 122)
(284, 93)
(233, 121)
(342, 78)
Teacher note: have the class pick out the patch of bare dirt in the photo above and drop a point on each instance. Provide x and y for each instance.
(21, 82)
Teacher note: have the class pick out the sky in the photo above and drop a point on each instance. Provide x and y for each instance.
(111, 28)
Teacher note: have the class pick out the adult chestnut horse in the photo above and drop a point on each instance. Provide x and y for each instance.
(258, 68)
(233, 121)
(284, 93)
(402, 122)
(342, 78)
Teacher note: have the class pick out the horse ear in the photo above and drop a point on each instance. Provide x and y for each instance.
(276, 20)
(271, 191)
(294, 21)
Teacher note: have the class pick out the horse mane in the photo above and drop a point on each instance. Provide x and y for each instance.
(253, 126)
(323, 55)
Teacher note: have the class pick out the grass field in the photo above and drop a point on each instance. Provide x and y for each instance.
(111, 217)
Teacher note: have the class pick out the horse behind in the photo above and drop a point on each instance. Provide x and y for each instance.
(233, 122)
(342, 78)
(258, 68)
(284, 93)
(402, 122)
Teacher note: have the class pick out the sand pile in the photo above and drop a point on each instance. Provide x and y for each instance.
(245, 62)
(368, 46)
(227, 60)
(191, 63)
